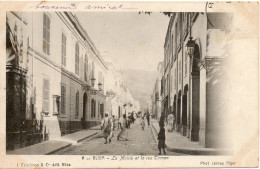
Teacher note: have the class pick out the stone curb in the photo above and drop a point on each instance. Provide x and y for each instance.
(28, 150)
(61, 148)
(74, 142)
(192, 151)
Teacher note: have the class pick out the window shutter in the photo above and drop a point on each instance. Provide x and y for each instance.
(46, 95)
(63, 99)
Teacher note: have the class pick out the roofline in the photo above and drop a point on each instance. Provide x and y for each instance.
(83, 33)
(169, 28)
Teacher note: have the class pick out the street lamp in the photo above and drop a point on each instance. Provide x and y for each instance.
(190, 47)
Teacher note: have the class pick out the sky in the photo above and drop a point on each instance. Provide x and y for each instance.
(134, 41)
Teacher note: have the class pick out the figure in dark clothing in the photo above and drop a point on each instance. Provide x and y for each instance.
(132, 118)
(148, 118)
(161, 138)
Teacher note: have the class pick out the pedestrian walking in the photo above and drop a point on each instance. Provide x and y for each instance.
(170, 122)
(128, 122)
(174, 120)
(123, 130)
(148, 118)
(161, 138)
(106, 127)
(113, 120)
(142, 123)
(132, 118)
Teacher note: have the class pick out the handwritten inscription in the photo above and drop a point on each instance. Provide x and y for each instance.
(74, 6)
(41, 5)
(108, 6)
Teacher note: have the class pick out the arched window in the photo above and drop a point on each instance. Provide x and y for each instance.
(77, 58)
(77, 104)
(93, 69)
(86, 67)
(89, 70)
(93, 108)
(46, 34)
(102, 110)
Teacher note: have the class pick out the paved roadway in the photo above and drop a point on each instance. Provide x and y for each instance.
(140, 142)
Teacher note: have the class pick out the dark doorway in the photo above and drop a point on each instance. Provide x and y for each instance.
(174, 111)
(184, 110)
(179, 111)
(85, 98)
(195, 96)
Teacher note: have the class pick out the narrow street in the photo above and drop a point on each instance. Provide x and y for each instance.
(140, 142)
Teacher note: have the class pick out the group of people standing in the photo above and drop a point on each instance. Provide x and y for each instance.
(147, 115)
(108, 126)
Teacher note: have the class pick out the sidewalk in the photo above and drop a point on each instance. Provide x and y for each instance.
(175, 142)
(49, 147)
(76, 137)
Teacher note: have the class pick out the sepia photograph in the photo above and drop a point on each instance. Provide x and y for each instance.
(116, 85)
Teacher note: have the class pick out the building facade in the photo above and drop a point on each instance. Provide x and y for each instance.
(157, 93)
(194, 85)
(58, 75)
(119, 98)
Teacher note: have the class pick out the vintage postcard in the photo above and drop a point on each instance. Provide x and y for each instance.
(129, 84)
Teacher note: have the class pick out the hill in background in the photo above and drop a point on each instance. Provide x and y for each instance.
(141, 84)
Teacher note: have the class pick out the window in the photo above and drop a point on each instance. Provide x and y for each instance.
(46, 95)
(98, 110)
(175, 78)
(46, 34)
(175, 38)
(103, 83)
(162, 86)
(172, 48)
(179, 71)
(63, 49)
(77, 105)
(93, 108)
(100, 78)
(169, 77)
(63, 99)
(171, 83)
(86, 67)
(77, 59)
(102, 110)
(166, 84)
(186, 63)
(89, 70)
(179, 34)
(185, 18)
(93, 70)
